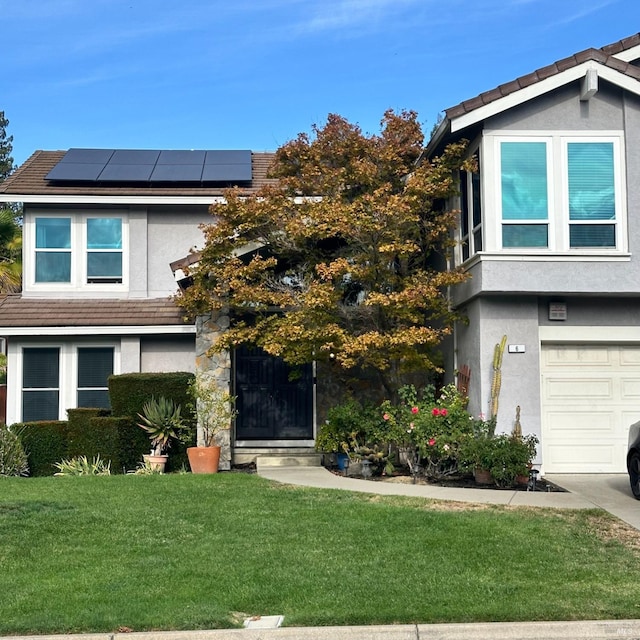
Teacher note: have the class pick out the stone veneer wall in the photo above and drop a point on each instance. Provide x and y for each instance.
(216, 366)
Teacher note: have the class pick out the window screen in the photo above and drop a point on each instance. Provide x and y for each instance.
(40, 383)
(95, 365)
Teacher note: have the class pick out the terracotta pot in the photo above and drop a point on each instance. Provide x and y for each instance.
(482, 476)
(157, 462)
(204, 459)
(522, 480)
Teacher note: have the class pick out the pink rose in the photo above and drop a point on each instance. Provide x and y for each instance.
(414, 410)
(435, 412)
(385, 416)
(443, 412)
(432, 441)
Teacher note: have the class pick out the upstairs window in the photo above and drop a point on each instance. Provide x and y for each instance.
(525, 204)
(560, 193)
(53, 249)
(470, 213)
(104, 250)
(82, 251)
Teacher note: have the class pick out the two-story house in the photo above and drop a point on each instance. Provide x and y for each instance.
(101, 230)
(550, 235)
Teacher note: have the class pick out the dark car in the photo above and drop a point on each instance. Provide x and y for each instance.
(633, 459)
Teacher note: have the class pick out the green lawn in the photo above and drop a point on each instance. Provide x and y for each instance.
(184, 551)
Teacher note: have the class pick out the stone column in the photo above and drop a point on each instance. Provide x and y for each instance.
(218, 367)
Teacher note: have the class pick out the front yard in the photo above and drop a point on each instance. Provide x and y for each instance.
(193, 552)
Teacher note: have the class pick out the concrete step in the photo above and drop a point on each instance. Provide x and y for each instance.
(289, 460)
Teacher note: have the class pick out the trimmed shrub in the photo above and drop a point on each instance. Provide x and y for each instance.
(120, 440)
(45, 443)
(128, 393)
(83, 439)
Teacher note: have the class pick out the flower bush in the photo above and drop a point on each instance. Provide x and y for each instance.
(431, 428)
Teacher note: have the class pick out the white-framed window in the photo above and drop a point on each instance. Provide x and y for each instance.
(65, 375)
(470, 230)
(40, 383)
(76, 251)
(557, 193)
(95, 365)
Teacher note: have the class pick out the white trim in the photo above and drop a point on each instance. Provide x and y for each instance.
(629, 55)
(546, 256)
(605, 334)
(104, 330)
(540, 88)
(89, 199)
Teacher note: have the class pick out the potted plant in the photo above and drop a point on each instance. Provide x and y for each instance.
(215, 408)
(162, 420)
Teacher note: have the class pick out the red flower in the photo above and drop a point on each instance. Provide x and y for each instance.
(435, 412)
(443, 412)
(414, 409)
(432, 441)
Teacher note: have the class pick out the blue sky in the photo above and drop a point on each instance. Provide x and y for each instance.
(252, 74)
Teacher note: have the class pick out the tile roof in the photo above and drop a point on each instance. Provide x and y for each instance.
(29, 179)
(603, 56)
(16, 311)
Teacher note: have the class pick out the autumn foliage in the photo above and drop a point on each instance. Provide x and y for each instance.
(343, 258)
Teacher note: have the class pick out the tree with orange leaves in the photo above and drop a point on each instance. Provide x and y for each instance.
(343, 259)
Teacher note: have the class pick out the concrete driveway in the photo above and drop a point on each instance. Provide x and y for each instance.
(609, 491)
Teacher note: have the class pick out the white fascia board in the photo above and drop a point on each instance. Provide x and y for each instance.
(126, 200)
(540, 88)
(100, 331)
(629, 55)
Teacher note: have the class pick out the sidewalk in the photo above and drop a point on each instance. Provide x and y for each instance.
(321, 478)
(583, 630)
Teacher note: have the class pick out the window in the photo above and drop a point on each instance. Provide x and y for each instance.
(470, 212)
(53, 249)
(560, 193)
(104, 250)
(525, 209)
(95, 365)
(83, 251)
(40, 383)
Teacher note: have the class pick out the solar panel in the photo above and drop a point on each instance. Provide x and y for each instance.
(177, 173)
(226, 173)
(145, 165)
(182, 157)
(126, 173)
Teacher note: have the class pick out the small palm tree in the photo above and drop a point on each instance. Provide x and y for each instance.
(10, 253)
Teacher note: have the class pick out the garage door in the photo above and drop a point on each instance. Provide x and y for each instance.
(590, 396)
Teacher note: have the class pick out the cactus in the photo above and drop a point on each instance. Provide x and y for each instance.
(497, 377)
(517, 428)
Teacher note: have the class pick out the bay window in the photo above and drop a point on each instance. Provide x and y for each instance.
(560, 193)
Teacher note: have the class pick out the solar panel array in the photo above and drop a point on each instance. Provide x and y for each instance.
(142, 165)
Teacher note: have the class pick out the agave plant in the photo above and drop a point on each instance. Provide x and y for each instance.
(162, 420)
(82, 466)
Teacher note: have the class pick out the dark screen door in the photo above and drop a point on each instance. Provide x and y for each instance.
(270, 405)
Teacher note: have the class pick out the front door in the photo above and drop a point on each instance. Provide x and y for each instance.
(270, 405)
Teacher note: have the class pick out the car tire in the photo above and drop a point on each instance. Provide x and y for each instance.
(633, 467)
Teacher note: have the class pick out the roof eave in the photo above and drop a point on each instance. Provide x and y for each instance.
(540, 88)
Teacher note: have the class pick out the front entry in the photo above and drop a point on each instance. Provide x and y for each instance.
(271, 407)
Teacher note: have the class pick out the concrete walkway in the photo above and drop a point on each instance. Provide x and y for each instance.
(321, 478)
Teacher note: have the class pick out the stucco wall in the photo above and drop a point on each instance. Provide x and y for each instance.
(175, 353)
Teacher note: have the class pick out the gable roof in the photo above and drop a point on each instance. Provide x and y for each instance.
(29, 184)
(612, 63)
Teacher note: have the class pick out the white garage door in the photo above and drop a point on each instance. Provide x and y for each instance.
(590, 396)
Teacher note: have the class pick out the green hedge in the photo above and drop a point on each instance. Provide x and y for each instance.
(45, 443)
(117, 438)
(129, 391)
